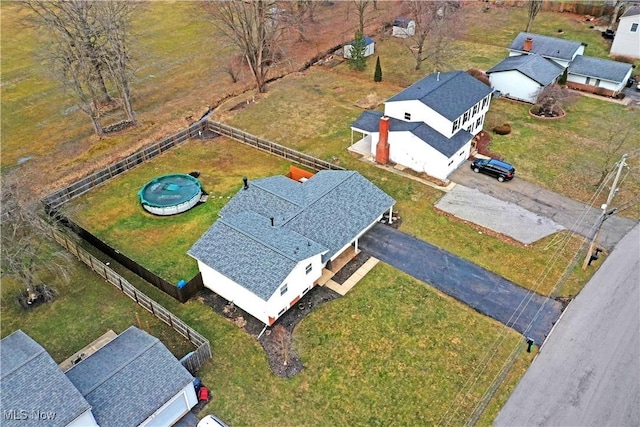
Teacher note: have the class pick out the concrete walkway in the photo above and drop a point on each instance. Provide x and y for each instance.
(355, 278)
(531, 314)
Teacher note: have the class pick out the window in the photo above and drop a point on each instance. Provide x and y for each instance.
(456, 125)
(634, 27)
(309, 268)
(450, 163)
(479, 122)
(465, 117)
(597, 82)
(282, 311)
(461, 153)
(475, 109)
(283, 289)
(485, 101)
(407, 116)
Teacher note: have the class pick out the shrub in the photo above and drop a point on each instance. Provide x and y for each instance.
(504, 129)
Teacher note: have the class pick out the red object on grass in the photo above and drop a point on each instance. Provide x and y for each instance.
(203, 393)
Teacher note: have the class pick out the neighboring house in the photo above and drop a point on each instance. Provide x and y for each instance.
(523, 77)
(429, 126)
(403, 27)
(133, 380)
(597, 75)
(368, 50)
(558, 50)
(33, 389)
(277, 234)
(627, 39)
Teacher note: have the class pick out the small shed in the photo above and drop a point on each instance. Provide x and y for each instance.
(403, 27)
(368, 51)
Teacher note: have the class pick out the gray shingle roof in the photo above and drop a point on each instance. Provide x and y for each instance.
(402, 22)
(321, 215)
(128, 379)
(600, 68)
(550, 47)
(450, 94)
(537, 68)
(632, 11)
(368, 121)
(31, 381)
(245, 248)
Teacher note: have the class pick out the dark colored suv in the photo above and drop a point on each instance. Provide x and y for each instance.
(501, 170)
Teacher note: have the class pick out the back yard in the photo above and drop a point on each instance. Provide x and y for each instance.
(393, 351)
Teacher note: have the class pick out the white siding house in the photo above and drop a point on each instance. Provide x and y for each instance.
(275, 236)
(523, 77)
(626, 42)
(430, 125)
(368, 50)
(597, 75)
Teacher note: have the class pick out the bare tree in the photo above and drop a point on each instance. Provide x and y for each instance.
(254, 28)
(533, 9)
(361, 7)
(87, 51)
(114, 18)
(28, 250)
(552, 100)
(614, 15)
(299, 14)
(434, 32)
(614, 138)
(282, 340)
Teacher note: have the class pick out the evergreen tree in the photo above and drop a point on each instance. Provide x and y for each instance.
(563, 78)
(357, 60)
(377, 76)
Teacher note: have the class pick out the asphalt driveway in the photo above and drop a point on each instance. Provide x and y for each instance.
(528, 313)
(566, 212)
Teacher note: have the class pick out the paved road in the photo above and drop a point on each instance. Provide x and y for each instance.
(562, 210)
(588, 371)
(486, 292)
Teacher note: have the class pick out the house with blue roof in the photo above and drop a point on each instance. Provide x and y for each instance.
(369, 47)
(597, 75)
(33, 389)
(132, 380)
(276, 237)
(523, 77)
(429, 126)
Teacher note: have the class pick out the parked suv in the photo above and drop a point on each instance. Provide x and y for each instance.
(501, 170)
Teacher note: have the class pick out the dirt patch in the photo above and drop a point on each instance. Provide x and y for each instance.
(370, 102)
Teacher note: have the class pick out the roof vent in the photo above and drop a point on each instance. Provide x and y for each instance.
(272, 221)
(438, 76)
(246, 182)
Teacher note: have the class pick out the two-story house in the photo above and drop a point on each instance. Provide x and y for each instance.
(429, 126)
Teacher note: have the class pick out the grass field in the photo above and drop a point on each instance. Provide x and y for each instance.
(393, 351)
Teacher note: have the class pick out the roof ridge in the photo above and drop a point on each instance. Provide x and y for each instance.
(257, 184)
(256, 239)
(155, 341)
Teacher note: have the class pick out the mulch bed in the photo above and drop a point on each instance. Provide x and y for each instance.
(270, 343)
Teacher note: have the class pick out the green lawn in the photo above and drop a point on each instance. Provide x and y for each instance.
(393, 351)
(113, 212)
(86, 308)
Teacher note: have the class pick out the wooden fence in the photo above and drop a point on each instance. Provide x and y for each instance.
(270, 147)
(60, 197)
(194, 360)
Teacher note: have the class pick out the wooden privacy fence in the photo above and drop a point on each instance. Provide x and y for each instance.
(194, 360)
(270, 147)
(57, 199)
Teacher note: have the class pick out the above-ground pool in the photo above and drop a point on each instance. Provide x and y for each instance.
(170, 194)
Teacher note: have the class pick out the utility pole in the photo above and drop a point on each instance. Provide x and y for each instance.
(604, 215)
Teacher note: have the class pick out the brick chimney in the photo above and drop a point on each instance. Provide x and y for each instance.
(528, 44)
(382, 149)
